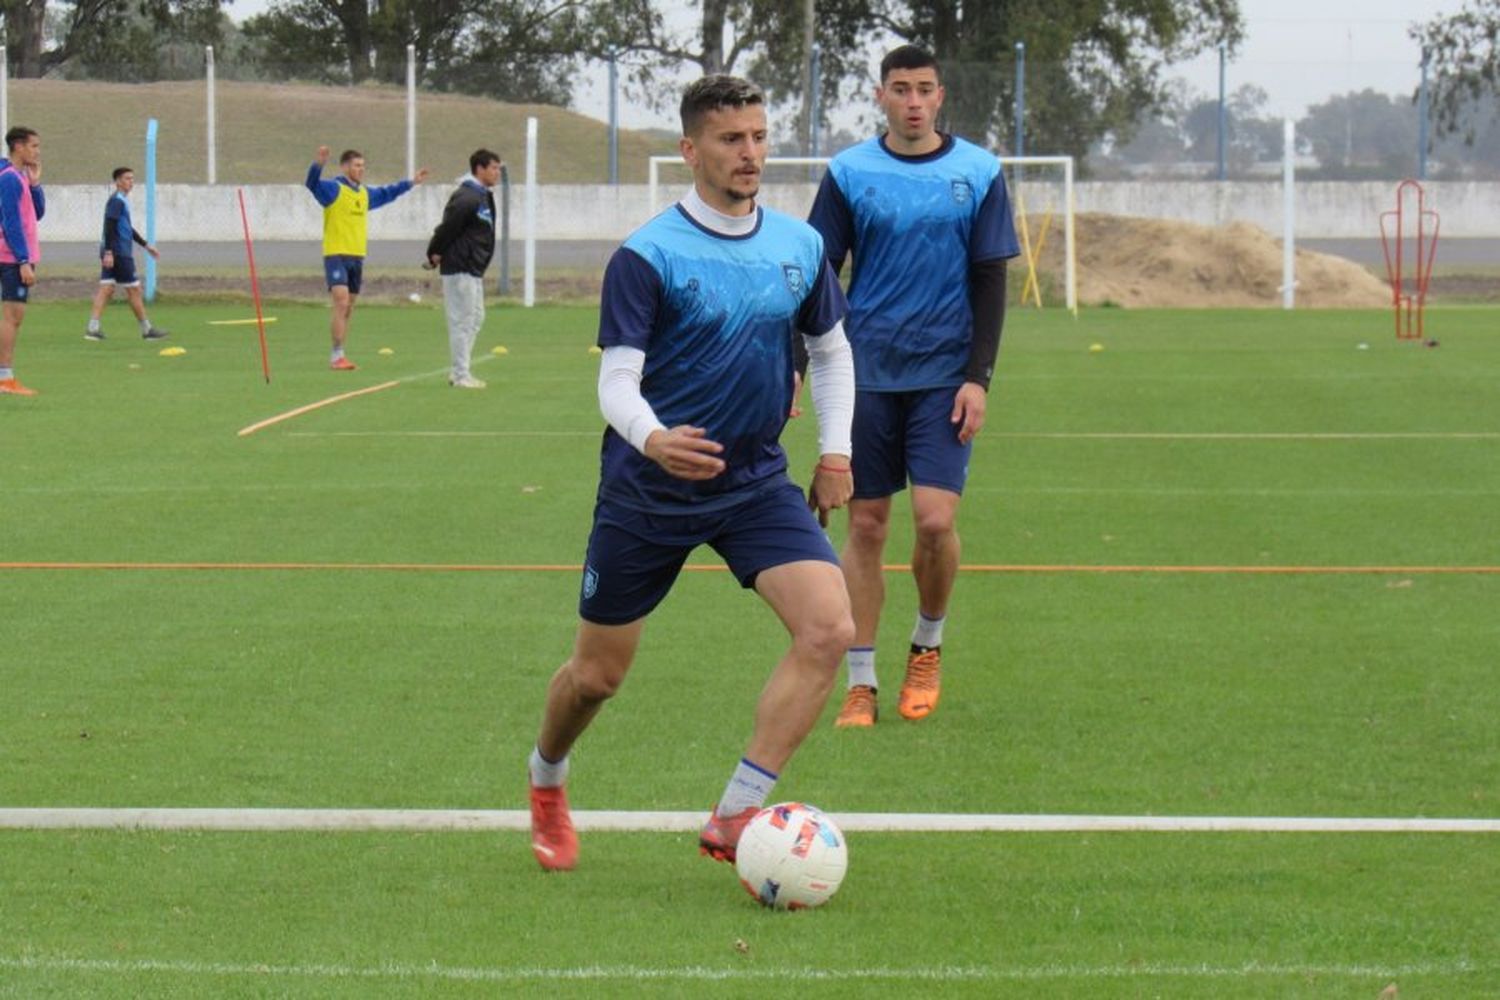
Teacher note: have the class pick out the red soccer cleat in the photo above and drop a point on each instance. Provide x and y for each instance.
(342, 365)
(721, 834)
(553, 839)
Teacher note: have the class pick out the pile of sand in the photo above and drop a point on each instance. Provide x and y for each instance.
(1127, 261)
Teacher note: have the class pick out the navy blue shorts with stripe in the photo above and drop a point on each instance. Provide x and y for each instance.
(341, 269)
(122, 274)
(11, 289)
(634, 557)
(900, 436)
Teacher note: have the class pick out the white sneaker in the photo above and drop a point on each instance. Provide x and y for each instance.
(467, 382)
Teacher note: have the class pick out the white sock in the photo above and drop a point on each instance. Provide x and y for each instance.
(748, 787)
(145, 325)
(6, 373)
(861, 660)
(546, 773)
(928, 631)
(338, 352)
(93, 324)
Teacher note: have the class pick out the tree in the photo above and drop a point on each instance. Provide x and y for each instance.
(512, 49)
(1093, 66)
(1364, 134)
(1465, 62)
(101, 30)
(766, 46)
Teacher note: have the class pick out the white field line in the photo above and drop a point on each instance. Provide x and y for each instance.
(596, 432)
(585, 819)
(1030, 435)
(1254, 435)
(639, 973)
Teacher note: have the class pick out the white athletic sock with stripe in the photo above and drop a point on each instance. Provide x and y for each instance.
(928, 632)
(748, 787)
(546, 773)
(861, 660)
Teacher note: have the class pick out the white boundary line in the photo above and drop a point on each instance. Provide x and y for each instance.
(1255, 435)
(697, 973)
(517, 819)
(1014, 435)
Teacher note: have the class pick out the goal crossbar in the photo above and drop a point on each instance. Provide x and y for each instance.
(1070, 257)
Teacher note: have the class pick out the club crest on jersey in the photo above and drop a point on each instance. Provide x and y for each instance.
(962, 193)
(795, 282)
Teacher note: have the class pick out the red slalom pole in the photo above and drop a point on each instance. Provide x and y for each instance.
(260, 321)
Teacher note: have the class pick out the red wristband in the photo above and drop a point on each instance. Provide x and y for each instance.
(832, 468)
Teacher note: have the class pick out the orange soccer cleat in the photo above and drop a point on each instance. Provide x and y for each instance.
(343, 365)
(553, 839)
(11, 387)
(920, 689)
(860, 709)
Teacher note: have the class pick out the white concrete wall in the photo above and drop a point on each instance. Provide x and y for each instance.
(1325, 209)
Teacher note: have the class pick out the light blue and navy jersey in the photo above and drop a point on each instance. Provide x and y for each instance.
(119, 236)
(914, 225)
(715, 316)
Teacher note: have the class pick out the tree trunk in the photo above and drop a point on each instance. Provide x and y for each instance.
(713, 36)
(354, 18)
(25, 20)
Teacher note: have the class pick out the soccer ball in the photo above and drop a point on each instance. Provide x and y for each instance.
(791, 856)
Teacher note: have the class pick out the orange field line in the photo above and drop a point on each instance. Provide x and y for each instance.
(717, 568)
(289, 414)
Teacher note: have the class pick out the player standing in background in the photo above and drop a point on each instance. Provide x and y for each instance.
(928, 220)
(22, 205)
(117, 260)
(696, 320)
(461, 248)
(347, 204)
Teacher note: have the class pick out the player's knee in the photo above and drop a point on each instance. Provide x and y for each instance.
(594, 680)
(934, 527)
(825, 637)
(867, 527)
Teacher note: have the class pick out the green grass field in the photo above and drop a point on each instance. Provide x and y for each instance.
(1224, 464)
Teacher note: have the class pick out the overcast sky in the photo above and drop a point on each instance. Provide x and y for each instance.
(1300, 51)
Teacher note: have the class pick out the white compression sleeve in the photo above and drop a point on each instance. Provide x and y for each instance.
(620, 398)
(830, 368)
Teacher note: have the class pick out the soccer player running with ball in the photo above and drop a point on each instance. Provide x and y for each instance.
(928, 221)
(698, 310)
(347, 204)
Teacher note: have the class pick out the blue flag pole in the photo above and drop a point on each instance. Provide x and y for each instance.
(150, 290)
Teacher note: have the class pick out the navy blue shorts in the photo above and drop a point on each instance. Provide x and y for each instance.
(634, 557)
(122, 274)
(11, 289)
(907, 435)
(341, 269)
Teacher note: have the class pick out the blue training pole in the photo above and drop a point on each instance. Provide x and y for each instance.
(150, 282)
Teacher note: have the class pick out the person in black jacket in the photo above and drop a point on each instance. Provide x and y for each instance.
(461, 248)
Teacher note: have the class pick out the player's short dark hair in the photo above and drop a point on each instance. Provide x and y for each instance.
(18, 135)
(909, 57)
(713, 93)
(119, 171)
(350, 154)
(482, 158)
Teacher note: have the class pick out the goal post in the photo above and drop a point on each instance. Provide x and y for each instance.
(1032, 195)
